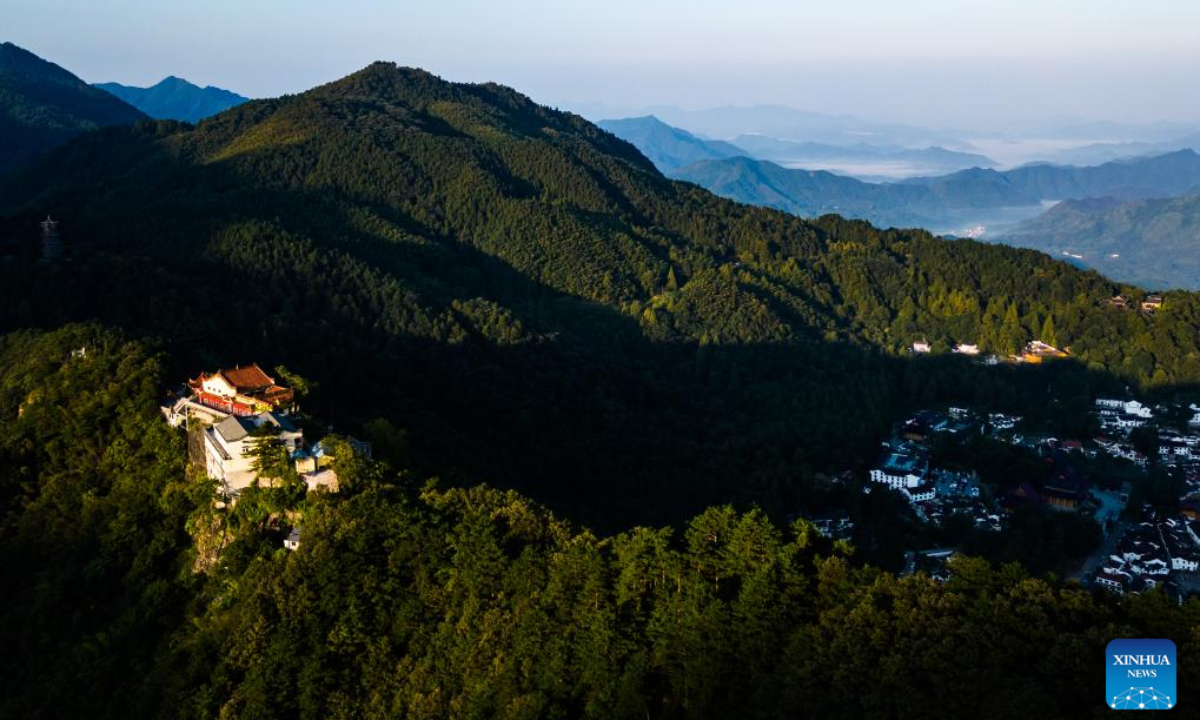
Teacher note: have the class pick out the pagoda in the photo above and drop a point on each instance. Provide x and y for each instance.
(52, 245)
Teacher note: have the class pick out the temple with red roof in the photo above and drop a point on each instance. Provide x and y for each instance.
(241, 391)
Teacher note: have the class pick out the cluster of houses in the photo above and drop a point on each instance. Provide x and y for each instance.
(1149, 305)
(1158, 550)
(922, 347)
(1119, 417)
(935, 494)
(1153, 552)
(1122, 414)
(1034, 352)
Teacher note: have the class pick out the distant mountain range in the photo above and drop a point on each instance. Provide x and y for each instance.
(1097, 153)
(1154, 243)
(778, 121)
(812, 193)
(861, 160)
(945, 202)
(176, 99)
(669, 148)
(42, 106)
(1169, 174)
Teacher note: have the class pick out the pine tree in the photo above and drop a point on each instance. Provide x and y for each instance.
(1048, 335)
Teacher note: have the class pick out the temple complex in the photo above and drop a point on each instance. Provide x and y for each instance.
(241, 391)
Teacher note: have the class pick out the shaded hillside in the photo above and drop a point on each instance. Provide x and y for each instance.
(667, 147)
(1155, 243)
(537, 305)
(42, 106)
(176, 99)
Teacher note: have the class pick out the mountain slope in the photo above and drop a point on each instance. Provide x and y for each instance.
(815, 192)
(176, 99)
(667, 147)
(1155, 243)
(536, 304)
(43, 106)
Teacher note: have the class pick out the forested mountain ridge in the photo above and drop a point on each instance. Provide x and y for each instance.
(538, 305)
(42, 106)
(175, 99)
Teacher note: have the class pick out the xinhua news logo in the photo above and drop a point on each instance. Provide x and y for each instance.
(1141, 675)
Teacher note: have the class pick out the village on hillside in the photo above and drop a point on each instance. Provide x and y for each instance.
(1147, 541)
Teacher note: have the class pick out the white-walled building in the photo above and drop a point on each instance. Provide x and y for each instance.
(292, 541)
(900, 471)
(227, 446)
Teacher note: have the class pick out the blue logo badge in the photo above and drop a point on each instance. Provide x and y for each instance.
(1141, 675)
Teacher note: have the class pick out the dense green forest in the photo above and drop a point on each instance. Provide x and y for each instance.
(538, 307)
(412, 599)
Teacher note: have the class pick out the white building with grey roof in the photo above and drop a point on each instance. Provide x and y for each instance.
(228, 445)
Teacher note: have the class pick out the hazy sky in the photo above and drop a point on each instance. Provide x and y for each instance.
(965, 62)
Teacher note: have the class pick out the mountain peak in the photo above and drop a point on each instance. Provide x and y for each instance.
(173, 81)
(175, 98)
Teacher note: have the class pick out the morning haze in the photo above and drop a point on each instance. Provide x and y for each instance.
(985, 66)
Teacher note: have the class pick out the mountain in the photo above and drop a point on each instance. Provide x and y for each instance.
(860, 159)
(667, 147)
(811, 193)
(1170, 174)
(1097, 153)
(176, 99)
(1155, 243)
(671, 148)
(42, 106)
(497, 293)
(967, 198)
(536, 304)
